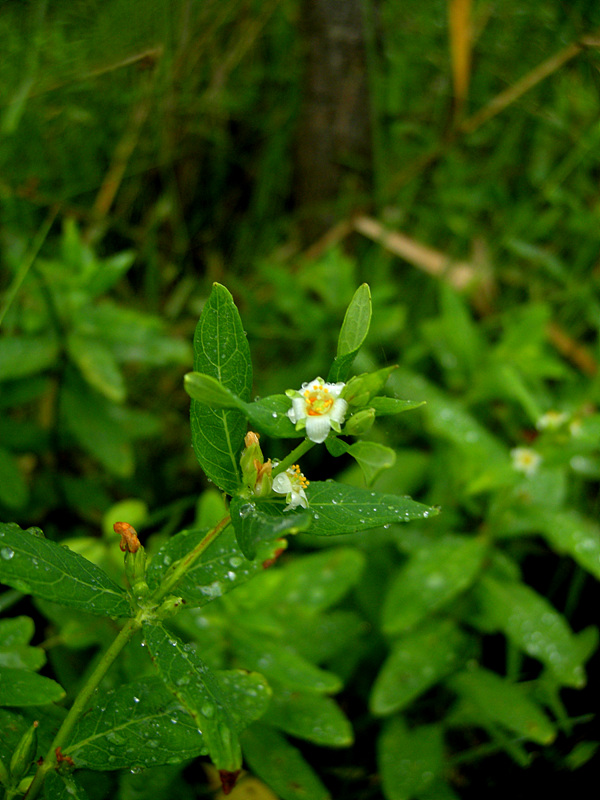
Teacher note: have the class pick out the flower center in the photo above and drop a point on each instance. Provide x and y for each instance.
(297, 477)
(318, 401)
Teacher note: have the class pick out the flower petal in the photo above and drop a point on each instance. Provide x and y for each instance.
(338, 410)
(317, 428)
(282, 483)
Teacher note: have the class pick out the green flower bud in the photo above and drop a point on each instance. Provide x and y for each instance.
(251, 459)
(360, 389)
(135, 570)
(24, 754)
(360, 422)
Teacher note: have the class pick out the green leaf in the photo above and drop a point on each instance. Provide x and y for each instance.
(33, 564)
(253, 524)
(21, 688)
(13, 489)
(221, 351)
(281, 765)
(139, 724)
(21, 656)
(109, 272)
(372, 457)
(309, 716)
(87, 415)
(572, 533)
(199, 691)
(532, 624)
(281, 663)
(268, 415)
(16, 631)
(497, 700)
(97, 365)
(63, 786)
(220, 569)
(418, 661)
(353, 333)
(409, 760)
(393, 405)
(339, 508)
(432, 577)
(21, 356)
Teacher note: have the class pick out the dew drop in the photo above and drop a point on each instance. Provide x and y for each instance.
(236, 561)
(246, 510)
(7, 553)
(208, 710)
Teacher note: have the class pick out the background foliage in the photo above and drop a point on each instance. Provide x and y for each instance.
(148, 149)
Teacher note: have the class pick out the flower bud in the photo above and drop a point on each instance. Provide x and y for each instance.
(360, 422)
(251, 460)
(24, 753)
(360, 389)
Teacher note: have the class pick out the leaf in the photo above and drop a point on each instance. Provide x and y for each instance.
(253, 526)
(199, 691)
(309, 716)
(21, 656)
(353, 333)
(109, 272)
(372, 457)
(499, 701)
(21, 356)
(417, 662)
(281, 663)
(14, 492)
(139, 724)
(221, 351)
(97, 365)
(16, 631)
(281, 765)
(35, 565)
(339, 508)
(220, 569)
(268, 415)
(432, 577)
(21, 688)
(409, 760)
(87, 415)
(393, 405)
(63, 786)
(532, 624)
(572, 533)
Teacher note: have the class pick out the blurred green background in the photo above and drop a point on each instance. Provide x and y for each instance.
(446, 152)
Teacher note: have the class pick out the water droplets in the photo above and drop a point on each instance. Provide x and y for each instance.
(246, 510)
(7, 553)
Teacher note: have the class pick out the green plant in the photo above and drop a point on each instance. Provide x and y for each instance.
(186, 707)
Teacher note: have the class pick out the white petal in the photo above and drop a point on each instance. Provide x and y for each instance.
(335, 388)
(298, 409)
(317, 428)
(338, 410)
(282, 483)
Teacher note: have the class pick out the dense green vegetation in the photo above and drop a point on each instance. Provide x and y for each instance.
(149, 150)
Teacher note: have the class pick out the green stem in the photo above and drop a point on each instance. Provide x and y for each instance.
(81, 701)
(294, 456)
(133, 625)
(178, 570)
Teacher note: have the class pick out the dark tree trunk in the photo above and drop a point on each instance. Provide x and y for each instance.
(333, 160)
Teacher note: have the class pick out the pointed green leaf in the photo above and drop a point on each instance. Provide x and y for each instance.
(21, 356)
(497, 700)
(339, 508)
(278, 662)
(220, 569)
(97, 365)
(253, 524)
(409, 759)
(353, 333)
(139, 724)
(309, 716)
(432, 577)
(109, 272)
(572, 533)
(393, 405)
(21, 688)
(418, 661)
(200, 693)
(221, 351)
(372, 457)
(33, 564)
(533, 625)
(63, 786)
(280, 765)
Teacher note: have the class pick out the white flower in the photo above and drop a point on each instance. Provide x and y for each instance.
(318, 407)
(292, 484)
(525, 460)
(551, 420)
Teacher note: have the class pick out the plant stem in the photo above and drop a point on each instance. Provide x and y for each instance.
(297, 453)
(132, 625)
(81, 701)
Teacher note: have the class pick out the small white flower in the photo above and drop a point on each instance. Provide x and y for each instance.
(292, 484)
(525, 460)
(551, 420)
(318, 407)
